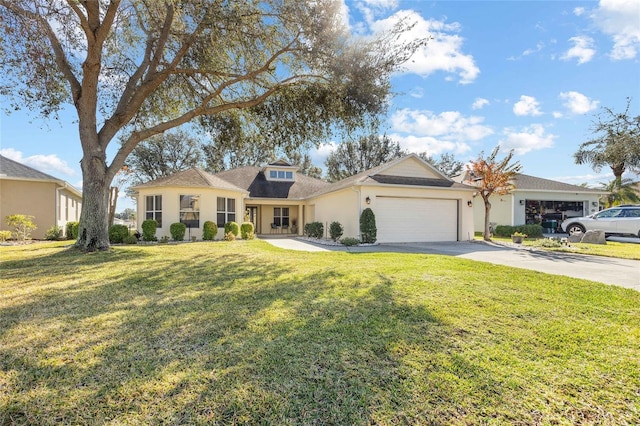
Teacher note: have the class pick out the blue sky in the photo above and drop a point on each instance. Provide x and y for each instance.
(528, 75)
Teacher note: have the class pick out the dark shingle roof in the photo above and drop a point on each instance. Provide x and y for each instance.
(11, 168)
(526, 182)
(417, 181)
(193, 177)
(253, 180)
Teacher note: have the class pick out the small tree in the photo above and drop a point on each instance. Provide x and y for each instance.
(619, 192)
(22, 225)
(335, 230)
(492, 177)
(368, 230)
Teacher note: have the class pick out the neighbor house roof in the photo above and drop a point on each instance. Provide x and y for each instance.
(11, 169)
(532, 183)
(253, 179)
(193, 177)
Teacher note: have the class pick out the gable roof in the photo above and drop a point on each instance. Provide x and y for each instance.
(376, 175)
(193, 177)
(253, 180)
(11, 169)
(532, 183)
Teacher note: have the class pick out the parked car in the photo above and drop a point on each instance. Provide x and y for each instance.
(619, 220)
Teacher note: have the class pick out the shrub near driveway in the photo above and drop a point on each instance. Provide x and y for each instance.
(251, 334)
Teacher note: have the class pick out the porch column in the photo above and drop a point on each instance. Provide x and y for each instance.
(300, 219)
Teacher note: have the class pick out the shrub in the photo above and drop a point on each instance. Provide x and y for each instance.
(533, 231)
(117, 233)
(368, 230)
(335, 230)
(209, 231)
(177, 231)
(230, 236)
(130, 239)
(164, 239)
(314, 229)
(54, 233)
(71, 230)
(245, 229)
(231, 227)
(5, 235)
(350, 241)
(149, 228)
(250, 236)
(22, 225)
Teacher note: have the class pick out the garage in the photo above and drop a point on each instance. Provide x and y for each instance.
(403, 219)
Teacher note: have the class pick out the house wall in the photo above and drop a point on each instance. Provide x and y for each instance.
(171, 207)
(69, 207)
(346, 206)
(37, 199)
(266, 212)
(501, 211)
(411, 167)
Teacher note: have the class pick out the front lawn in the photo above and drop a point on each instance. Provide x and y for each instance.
(245, 333)
(611, 249)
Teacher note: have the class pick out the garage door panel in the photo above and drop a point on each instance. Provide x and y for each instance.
(416, 219)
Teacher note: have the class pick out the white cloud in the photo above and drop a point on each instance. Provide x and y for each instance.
(448, 131)
(417, 92)
(530, 138)
(619, 19)
(582, 49)
(557, 114)
(443, 51)
(319, 155)
(433, 146)
(479, 103)
(50, 164)
(578, 11)
(578, 103)
(538, 48)
(527, 105)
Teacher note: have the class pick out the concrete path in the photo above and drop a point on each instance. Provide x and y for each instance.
(621, 272)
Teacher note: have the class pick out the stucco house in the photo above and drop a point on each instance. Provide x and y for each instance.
(412, 201)
(536, 201)
(25, 190)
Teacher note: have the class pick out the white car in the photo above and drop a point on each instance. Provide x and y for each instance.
(619, 220)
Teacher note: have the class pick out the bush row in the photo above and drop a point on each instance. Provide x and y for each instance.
(532, 231)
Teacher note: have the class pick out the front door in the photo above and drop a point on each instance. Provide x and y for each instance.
(253, 217)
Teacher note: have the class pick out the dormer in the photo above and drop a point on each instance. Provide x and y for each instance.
(280, 171)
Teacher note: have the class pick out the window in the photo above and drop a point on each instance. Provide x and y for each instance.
(289, 175)
(632, 213)
(281, 216)
(154, 209)
(226, 210)
(609, 213)
(190, 210)
(273, 174)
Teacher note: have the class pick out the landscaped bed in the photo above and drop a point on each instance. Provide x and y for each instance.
(245, 333)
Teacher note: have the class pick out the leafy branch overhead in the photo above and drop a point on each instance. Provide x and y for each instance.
(135, 69)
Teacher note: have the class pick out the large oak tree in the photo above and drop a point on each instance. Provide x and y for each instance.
(133, 69)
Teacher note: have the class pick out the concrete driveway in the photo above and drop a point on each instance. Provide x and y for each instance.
(607, 270)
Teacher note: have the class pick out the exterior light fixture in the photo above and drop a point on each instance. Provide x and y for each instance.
(469, 203)
(522, 202)
(594, 203)
(368, 200)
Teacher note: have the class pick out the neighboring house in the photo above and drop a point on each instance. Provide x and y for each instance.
(25, 190)
(412, 201)
(536, 201)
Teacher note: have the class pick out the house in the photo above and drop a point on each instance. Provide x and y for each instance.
(536, 201)
(25, 190)
(412, 201)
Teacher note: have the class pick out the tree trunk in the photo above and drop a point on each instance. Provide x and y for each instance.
(113, 200)
(93, 232)
(487, 209)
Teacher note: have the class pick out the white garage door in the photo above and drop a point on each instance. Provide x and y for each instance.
(415, 219)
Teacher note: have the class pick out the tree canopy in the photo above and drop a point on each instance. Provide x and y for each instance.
(353, 157)
(139, 68)
(616, 143)
(492, 177)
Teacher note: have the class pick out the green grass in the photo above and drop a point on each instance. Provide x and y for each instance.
(611, 249)
(244, 333)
